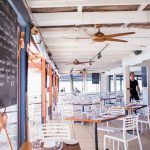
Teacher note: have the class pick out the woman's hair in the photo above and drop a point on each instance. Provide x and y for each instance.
(131, 73)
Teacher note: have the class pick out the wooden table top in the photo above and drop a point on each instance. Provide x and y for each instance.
(95, 120)
(85, 104)
(135, 107)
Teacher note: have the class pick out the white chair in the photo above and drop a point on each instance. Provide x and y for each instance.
(34, 133)
(114, 111)
(55, 132)
(129, 123)
(145, 119)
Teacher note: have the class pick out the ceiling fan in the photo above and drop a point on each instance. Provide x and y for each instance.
(84, 71)
(101, 37)
(77, 62)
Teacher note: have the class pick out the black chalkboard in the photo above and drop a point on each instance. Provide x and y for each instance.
(8, 55)
(95, 78)
(144, 76)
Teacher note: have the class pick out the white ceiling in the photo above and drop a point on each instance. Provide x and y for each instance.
(64, 44)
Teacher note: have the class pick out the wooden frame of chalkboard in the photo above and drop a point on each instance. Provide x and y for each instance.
(8, 55)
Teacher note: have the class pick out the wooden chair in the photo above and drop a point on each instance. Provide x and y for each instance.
(26, 146)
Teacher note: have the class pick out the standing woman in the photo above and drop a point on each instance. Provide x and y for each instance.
(134, 88)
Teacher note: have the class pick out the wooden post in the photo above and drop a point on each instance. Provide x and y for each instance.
(50, 92)
(57, 87)
(43, 91)
(54, 89)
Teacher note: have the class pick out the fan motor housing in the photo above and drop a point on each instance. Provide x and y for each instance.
(137, 52)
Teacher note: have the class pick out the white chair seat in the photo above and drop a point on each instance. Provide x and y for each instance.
(71, 142)
(143, 119)
(109, 129)
(119, 136)
(130, 122)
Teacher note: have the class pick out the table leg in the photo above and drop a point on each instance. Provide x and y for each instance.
(96, 137)
(82, 108)
(82, 112)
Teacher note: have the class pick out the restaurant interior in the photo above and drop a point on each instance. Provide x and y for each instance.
(74, 75)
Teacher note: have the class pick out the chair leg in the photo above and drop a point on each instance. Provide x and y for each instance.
(125, 145)
(141, 127)
(113, 145)
(139, 139)
(118, 145)
(146, 126)
(109, 141)
(104, 143)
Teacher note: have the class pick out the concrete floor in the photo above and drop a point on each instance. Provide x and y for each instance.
(85, 135)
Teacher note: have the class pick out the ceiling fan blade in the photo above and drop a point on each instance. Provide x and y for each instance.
(86, 62)
(119, 34)
(75, 38)
(116, 40)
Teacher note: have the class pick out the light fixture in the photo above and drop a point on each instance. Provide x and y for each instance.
(137, 52)
(99, 55)
(34, 30)
(49, 54)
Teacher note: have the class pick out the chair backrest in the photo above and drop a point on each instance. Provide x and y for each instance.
(147, 113)
(130, 122)
(66, 110)
(34, 133)
(55, 131)
(116, 110)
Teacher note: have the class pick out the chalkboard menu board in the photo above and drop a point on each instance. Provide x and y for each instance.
(95, 78)
(144, 76)
(8, 55)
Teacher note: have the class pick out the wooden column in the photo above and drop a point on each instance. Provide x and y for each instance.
(54, 90)
(126, 78)
(43, 91)
(57, 88)
(50, 92)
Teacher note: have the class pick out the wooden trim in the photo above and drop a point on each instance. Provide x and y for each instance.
(76, 118)
(20, 46)
(54, 88)
(50, 89)
(43, 73)
(56, 77)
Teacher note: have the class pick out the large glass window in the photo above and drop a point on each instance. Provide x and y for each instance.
(119, 85)
(78, 83)
(119, 82)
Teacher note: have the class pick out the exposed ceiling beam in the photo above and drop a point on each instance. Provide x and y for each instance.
(77, 18)
(113, 25)
(80, 8)
(142, 7)
(76, 42)
(64, 3)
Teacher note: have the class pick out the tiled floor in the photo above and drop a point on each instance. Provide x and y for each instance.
(85, 135)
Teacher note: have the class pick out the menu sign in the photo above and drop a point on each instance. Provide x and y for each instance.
(8, 55)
